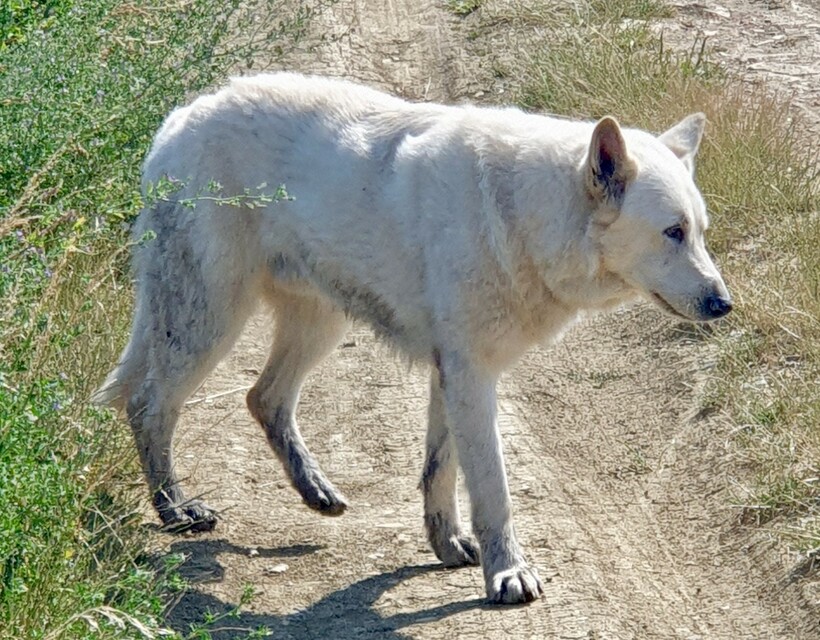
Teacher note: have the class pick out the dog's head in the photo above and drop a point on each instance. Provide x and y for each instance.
(649, 217)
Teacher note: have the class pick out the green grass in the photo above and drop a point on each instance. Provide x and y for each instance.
(83, 87)
(760, 175)
(20, 17)
(603, 11)
(463, 7)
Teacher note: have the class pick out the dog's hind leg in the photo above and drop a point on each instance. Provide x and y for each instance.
(438, 484)
(192, 302)
(307, 329)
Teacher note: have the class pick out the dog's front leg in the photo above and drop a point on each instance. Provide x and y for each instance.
(439, 485)
(470, 408)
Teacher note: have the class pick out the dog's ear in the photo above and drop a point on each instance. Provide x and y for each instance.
(684, 138)
(609, 167)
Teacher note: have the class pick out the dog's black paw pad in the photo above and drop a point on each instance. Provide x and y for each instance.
(459, 551)
(194, 516)
(319, 494)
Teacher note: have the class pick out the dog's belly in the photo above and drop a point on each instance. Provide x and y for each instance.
(406, 327)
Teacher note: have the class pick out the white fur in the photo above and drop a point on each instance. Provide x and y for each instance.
(463, 235)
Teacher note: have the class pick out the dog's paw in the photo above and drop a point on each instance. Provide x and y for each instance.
(193, 515)
(515, 586)
(318, 493)
(456, 551)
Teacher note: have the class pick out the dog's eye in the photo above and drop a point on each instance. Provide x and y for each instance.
(675, 232)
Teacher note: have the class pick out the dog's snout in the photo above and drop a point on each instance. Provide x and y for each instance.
(716, 306)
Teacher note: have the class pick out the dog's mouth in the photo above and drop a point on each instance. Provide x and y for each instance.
(663, 304)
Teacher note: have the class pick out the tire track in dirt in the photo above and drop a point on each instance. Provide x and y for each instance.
(619, 486)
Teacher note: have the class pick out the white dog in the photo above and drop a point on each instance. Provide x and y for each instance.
(463, 235)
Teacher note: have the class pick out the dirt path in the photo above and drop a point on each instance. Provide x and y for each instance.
(771, 41)
(620, 485)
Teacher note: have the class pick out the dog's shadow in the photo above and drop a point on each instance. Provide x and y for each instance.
(342, 615)
(201, 564)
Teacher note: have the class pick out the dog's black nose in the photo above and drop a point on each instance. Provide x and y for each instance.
(716, 306)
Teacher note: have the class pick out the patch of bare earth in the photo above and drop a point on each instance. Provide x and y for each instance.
(775, 42)
(621, 487)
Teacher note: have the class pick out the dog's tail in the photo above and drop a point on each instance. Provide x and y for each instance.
(123, 381)
(116, 390)
(110, 393)
(132, 367)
